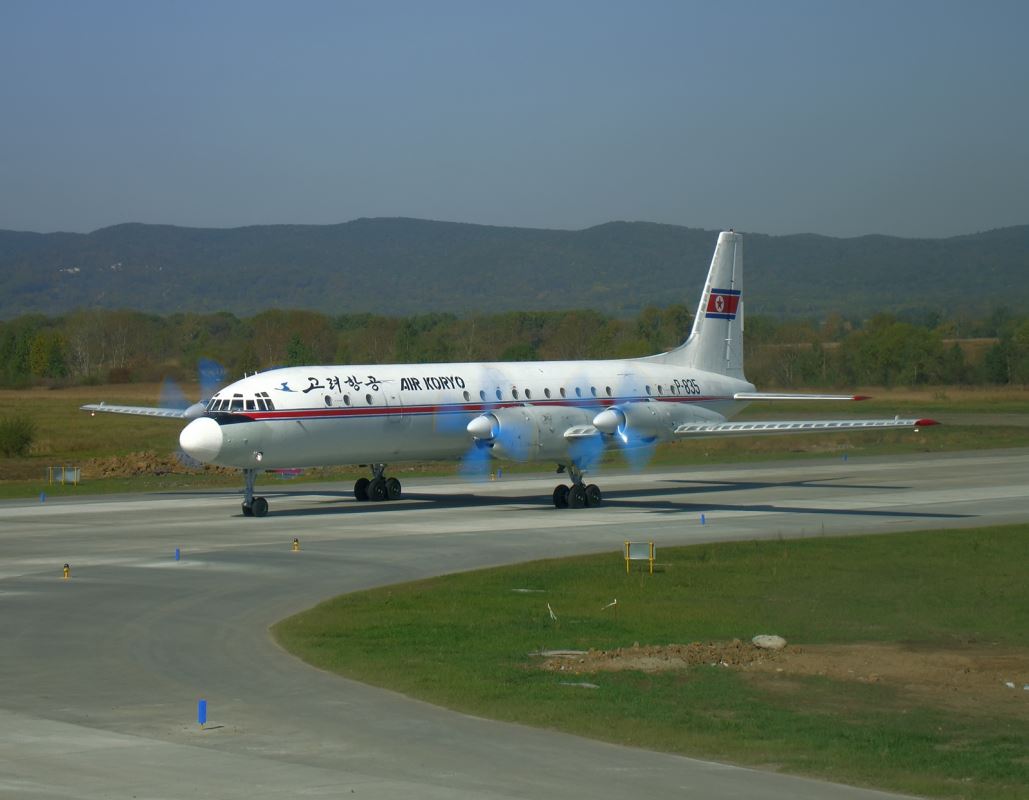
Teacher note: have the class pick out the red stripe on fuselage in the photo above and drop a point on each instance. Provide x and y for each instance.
(454, 408)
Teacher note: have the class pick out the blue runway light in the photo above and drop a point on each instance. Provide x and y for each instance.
(176, 554)
(202, 712)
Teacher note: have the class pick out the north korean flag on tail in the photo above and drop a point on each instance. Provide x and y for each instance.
(722, 303)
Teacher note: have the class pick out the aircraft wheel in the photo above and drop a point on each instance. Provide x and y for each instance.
(593, 495)
(248, 511)
(392, 489)
(577, 496)
(260, 507)
(361, 488)
(377, 490)
(561, 496)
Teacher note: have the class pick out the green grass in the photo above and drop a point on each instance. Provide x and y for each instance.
(462, 641)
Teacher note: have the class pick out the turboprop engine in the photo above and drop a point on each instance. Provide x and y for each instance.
(649, 420)
(527, 433)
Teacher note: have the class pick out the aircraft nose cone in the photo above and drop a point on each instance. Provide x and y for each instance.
(202, 439)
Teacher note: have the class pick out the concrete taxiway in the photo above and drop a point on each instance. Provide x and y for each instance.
(100, 674)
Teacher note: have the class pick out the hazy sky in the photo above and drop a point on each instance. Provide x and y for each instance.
(901, 117)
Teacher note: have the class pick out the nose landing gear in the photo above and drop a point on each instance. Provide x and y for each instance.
(252, 506)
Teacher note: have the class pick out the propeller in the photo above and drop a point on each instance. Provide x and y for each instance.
(637, 449)
(476, 462)
(210, 376)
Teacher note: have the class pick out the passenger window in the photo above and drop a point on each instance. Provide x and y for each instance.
(608, 390)
(346, 399)
(514, 393)
(482, 394)
(368, 399)
(593, 391)
(499, 395)
(328, 399)
(528, 394)
(467, 396)
(546, 392)
(648, 389)
(563, 394)
(660, 389)
(578, 392)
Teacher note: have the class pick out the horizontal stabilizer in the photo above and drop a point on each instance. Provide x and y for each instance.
(757, 428)
(142, 411)
(783, 396)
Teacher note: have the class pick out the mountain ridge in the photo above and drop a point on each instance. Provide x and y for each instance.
(401, 265)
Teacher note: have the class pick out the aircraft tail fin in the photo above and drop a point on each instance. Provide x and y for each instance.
(716, 342)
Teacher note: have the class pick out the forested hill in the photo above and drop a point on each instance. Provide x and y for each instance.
(405, 266)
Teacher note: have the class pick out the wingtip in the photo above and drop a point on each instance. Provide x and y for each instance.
(925, 423)
(862, 397)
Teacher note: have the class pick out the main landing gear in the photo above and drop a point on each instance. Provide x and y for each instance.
(378, 487)
(578, 495)
(252, 506)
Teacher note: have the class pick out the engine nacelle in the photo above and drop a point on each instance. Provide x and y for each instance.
(527, 433)
(650, 420)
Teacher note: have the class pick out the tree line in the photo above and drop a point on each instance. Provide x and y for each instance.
(100, 346)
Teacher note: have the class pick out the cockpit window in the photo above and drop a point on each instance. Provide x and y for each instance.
(237, 404)
(251, 405)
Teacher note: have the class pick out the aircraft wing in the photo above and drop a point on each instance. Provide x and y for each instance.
(784, 396)
(758, 427)
(143, 411)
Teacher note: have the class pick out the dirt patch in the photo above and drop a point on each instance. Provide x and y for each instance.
(144, 463)
(964, 677)
(660, 658)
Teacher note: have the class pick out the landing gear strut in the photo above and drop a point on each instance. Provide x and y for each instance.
(579, 494)
(378, 487)
(252, 506)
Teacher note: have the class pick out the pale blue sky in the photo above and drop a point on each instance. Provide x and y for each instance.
(908, 118)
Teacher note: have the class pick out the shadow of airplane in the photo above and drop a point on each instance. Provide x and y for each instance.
(661, 499)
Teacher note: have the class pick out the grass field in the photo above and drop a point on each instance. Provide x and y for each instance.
(68, 436)
(925, 600)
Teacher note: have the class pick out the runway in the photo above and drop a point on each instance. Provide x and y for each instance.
(100, 674)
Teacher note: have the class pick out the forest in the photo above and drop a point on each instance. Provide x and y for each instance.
(101, 346)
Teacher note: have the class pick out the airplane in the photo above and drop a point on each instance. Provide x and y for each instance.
(564, 412)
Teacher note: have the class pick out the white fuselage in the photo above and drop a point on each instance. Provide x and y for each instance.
(324, 415)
